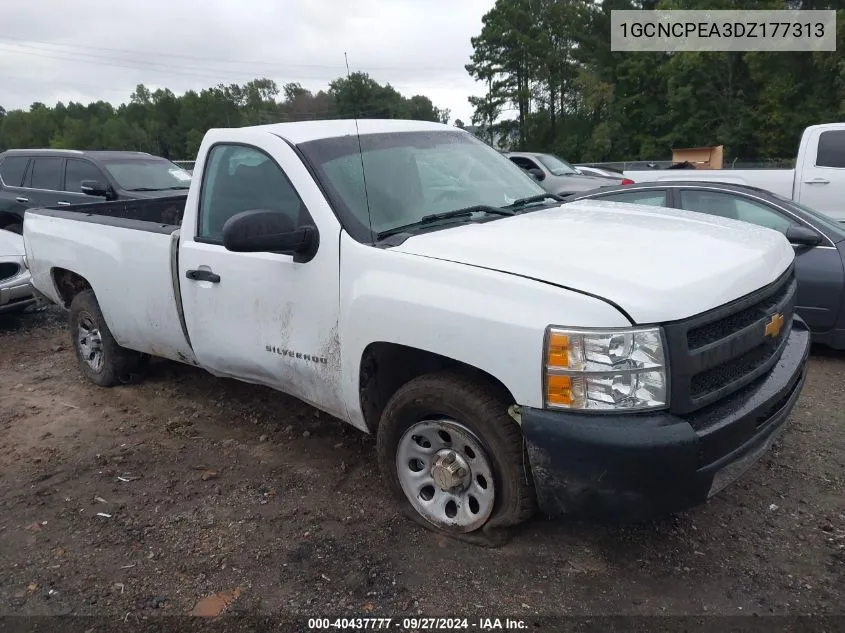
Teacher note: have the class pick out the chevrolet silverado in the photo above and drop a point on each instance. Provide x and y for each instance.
(510, 353)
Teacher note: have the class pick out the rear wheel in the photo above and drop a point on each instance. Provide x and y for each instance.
(100, 358)
(454, 459)
(16, 227)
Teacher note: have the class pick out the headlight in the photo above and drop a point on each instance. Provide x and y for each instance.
(605, 369)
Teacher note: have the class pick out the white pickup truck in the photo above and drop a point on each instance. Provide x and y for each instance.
(818, 180)
(509, 353)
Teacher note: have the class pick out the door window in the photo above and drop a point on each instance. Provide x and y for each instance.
(46, 173)
(735, 207)
(651, 198)
(79, 170)
(12, 170)
(239, 178)
(831, 152)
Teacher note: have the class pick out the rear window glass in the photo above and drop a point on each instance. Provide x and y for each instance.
(651, 198)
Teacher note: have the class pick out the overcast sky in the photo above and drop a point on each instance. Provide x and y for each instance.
(85, 50)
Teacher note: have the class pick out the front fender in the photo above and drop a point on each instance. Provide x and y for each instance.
(489, 320)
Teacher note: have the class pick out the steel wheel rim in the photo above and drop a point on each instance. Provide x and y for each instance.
(430, 458)
(90, 342)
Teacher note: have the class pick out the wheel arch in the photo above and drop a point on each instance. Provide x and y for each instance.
(68, 284)
(385, 367)
(8, 218)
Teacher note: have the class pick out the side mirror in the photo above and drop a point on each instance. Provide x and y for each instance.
(94, 188)
(537, 173)
(264, 231)
(802, 236)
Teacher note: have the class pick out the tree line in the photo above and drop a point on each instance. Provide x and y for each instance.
(553, 83)
(170, 125)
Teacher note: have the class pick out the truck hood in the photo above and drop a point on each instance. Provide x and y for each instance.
(656, 264)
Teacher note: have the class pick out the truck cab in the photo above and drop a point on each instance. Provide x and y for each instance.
(817, 181)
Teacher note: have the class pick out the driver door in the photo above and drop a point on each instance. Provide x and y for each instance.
(261, 317)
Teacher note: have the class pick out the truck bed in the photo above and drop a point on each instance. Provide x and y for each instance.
(166, 211)
(127, 252)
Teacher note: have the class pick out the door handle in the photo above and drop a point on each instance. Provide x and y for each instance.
(63, 203)
(21, 199)
(203, 275)
(817, 181)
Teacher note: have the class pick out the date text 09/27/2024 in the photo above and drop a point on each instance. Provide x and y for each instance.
(417, 624)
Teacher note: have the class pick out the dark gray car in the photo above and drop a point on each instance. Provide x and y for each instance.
(819, 241)
(557, 176)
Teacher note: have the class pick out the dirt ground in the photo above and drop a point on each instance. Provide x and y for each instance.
(146, 499)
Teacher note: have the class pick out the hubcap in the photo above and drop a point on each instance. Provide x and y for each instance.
(450, 471)
(446, 474)
(90, 343)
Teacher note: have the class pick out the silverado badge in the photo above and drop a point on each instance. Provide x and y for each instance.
(773, 325)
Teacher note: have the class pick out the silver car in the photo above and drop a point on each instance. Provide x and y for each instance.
(557, 176)
(597, 171)
(15, 288)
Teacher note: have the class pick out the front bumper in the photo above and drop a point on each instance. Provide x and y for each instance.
(635, 466)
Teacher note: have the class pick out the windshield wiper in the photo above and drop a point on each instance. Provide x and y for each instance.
(433, 218)
(179, 187)
(144, 189)
(521, 202)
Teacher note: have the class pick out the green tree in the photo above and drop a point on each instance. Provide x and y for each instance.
(173, 126)
(361, 96)
(553, 84)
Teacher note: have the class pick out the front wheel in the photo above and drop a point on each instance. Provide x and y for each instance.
(16, 227)
(454, 458)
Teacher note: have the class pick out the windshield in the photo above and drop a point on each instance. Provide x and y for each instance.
(147, 174)
(834, 229)
(410, 175)
(556, 165)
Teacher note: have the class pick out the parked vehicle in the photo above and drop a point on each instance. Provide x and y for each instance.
(557, 176)
(817, 181)
(35, 178)
(507, 353)
(15, 288)
(598, 171)
(819, 241)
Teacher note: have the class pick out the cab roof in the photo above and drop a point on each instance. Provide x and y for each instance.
(304, 131)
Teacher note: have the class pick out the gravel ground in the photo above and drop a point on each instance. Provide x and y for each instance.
(188, 493)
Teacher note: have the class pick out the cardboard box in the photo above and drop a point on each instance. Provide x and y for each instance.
(699, 157)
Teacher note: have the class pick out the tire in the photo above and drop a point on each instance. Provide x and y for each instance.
(472, 413)
(100, 358)
(15, 227)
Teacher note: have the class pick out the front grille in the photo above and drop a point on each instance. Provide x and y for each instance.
(717, 377)
(716, 353)
(712, 332)
(8, 270)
